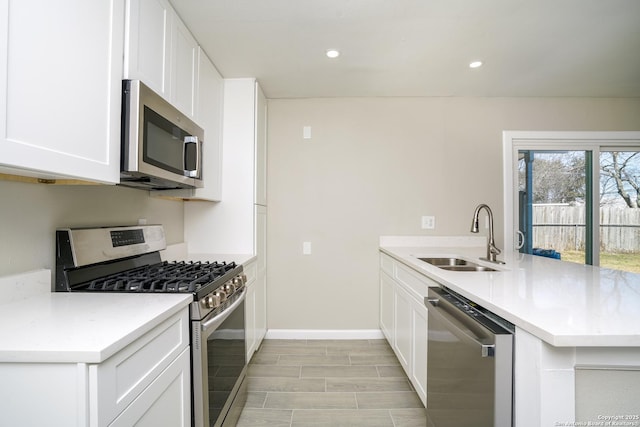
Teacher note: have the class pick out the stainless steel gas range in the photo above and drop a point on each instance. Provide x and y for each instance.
(127, 259)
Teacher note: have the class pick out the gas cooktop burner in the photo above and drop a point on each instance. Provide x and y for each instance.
(177, 276)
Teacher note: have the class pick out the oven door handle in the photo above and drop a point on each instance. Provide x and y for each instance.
(215, 321)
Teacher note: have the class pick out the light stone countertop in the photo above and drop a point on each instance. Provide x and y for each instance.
(562, 303)
(40, 326)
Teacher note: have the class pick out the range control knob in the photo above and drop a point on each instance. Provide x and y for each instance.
(208, 302)
(239, 280)
(229, 287)
(222, 296)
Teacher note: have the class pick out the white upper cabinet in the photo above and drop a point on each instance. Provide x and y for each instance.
(60, 90)
(184, 60)
(209, 101)
(148, 47)
(161, 52)
(261, 148)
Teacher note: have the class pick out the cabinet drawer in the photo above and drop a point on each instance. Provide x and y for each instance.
(166, 402)
(251, 270)
(117, 382)
(386, 264)
(415, 282)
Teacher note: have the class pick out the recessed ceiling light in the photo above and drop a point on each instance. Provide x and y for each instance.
(332, 53)
(475, 64)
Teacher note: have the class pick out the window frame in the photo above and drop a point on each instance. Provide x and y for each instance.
(594, 141)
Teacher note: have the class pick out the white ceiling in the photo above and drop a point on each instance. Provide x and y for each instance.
(423, 47)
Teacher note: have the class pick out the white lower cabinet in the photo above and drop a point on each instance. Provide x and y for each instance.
(118, 383)
(261, 309)
(165, 401)
(403, 332)
(403, 319)
(387, 307)
(147, 383)
(255, 308)
(418, 372)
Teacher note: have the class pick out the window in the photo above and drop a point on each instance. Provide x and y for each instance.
(574, 196)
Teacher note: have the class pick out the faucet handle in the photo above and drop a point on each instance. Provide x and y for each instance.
(495, 250)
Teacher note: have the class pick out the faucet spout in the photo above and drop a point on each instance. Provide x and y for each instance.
(492, 249)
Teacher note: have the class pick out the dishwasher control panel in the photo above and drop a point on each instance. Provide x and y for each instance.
(489, 320)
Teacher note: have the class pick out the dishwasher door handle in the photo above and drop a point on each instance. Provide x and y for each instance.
(486, 350)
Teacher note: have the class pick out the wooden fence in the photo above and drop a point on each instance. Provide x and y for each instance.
(563, 228)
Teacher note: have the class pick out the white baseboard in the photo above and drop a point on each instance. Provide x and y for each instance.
(322, 334)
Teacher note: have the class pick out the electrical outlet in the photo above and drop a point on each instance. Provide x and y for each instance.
(428, 222)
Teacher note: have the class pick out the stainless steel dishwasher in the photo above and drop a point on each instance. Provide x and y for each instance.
(469, 364)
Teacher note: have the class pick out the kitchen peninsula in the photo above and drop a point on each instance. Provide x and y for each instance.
(577, 327)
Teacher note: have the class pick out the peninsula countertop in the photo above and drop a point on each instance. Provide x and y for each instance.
(564, 304)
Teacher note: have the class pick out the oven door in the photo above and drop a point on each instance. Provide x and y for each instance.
(219, 366)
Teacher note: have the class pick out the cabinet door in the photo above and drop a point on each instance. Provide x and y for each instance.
(261, 280)
(387, 307)
(419, 352)
(261, 309)
(403, 328)
(148, 52)
(60, 96)
(260, 238)
(184, 57)
(250, 319)
(210, 97)
(261, 148)
(166, 402)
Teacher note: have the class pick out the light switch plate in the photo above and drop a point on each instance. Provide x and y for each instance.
(306, 248)
(306, 132)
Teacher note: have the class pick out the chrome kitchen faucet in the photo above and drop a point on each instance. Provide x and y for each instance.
(492, 249)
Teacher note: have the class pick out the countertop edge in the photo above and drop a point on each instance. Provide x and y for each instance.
(143, 329)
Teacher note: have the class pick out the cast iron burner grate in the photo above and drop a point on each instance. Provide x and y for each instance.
(176, 276)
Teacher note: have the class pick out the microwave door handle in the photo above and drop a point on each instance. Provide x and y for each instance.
(189, 139)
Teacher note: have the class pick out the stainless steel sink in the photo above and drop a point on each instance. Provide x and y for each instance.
(466, 268)
(455, 264)
(445, 261)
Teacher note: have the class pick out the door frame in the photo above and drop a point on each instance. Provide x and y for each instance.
(513, 141)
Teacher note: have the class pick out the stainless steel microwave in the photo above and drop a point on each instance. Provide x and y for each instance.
(161, 147)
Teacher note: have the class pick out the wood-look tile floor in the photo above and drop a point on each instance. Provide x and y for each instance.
(329, 383)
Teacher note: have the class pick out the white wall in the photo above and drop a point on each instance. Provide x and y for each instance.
(30, 214)
(373, 167)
